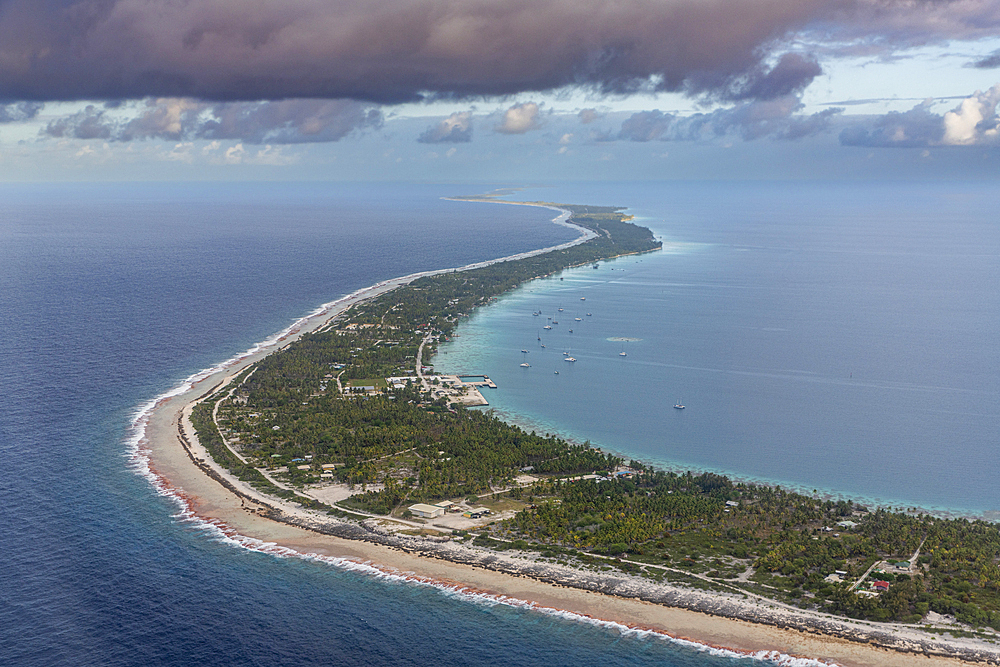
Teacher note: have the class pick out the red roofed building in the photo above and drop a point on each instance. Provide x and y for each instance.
(880, 585)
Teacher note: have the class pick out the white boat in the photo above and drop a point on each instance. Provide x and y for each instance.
(679, 406)
(546, 327)
(622, 354)
(583, 298)
(526, 365)
(569, 359)
(578, 319)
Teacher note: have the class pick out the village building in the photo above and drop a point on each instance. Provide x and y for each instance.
(426, 511)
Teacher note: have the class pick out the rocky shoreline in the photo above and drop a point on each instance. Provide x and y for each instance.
(737, 607)
(894, 637)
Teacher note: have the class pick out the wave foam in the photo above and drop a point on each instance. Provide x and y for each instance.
(220, 532)
(138, 455)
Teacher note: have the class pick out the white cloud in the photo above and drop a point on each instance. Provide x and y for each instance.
(456, 128)
(974, 120)
(234, 154)
(519, 119)
(181, 152)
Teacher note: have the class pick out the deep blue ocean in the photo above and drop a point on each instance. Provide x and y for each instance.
(112, 294)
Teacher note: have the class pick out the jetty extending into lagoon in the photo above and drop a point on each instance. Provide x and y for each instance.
(378, 451)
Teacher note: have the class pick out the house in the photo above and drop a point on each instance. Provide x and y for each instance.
(880, 585)
(847, 524)
(426, 511)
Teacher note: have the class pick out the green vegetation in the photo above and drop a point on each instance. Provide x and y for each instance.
(401, 444)
(790, 542)
(288, 414)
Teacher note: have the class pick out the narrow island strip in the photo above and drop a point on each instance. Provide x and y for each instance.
(337, 440)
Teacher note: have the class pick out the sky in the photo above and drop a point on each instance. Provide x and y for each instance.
(499, 90)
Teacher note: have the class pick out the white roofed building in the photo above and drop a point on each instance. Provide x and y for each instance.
(426, 511)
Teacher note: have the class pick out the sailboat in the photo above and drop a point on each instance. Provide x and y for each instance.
(679, 406)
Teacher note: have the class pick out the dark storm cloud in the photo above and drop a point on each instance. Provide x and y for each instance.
(777, 118)
(19, 111)
(398, 50)
(647, 126)
(288, 121)
(87, 124)
(282, 122)
(991, 61)
(791, 74)
(898, 129)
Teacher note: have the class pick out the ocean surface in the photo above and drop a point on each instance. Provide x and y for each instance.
(111, 295)
(836, 338)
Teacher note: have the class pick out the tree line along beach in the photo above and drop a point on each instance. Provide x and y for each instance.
(310, 447)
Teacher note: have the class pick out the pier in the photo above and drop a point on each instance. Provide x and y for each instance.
(485, 382)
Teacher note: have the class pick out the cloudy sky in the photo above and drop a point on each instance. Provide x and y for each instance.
(498, 90)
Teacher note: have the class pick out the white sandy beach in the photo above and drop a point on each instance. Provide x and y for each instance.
(183, 470)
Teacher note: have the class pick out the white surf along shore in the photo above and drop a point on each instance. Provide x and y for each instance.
(163, 448)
